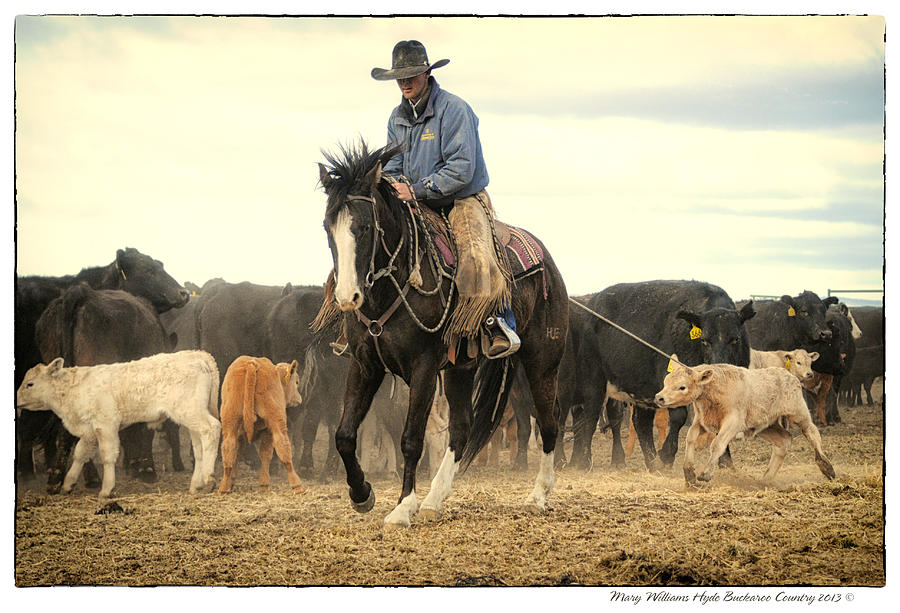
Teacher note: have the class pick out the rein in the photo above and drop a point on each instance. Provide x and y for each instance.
(626, 332)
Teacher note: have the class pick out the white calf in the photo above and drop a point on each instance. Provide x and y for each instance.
(730, 400)
(94, 402)
(798, 362)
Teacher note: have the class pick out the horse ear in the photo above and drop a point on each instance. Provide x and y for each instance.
(374, 175)
(324, 177)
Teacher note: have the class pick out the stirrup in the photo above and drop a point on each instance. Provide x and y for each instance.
(514, 341)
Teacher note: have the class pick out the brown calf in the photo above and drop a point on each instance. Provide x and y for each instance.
(255, 395)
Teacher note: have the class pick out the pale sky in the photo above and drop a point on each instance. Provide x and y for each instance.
(742, 151)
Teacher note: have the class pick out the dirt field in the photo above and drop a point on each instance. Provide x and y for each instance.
(603, 527)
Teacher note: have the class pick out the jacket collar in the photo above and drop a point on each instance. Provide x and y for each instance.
(427, 101)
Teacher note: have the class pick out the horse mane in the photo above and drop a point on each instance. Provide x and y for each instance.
(348, 168)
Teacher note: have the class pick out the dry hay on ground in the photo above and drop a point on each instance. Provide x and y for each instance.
(603, 527)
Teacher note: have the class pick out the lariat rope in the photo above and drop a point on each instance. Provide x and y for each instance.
(626, 332)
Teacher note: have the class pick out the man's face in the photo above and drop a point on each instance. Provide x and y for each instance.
(413, 87)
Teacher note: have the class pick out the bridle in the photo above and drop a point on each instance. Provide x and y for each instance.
(376, 327)
(377, 231)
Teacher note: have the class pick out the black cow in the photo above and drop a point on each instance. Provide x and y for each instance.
(836, 359)
(869, 363)
(696, 320)
(868, 366)
(131, 271)
(87, 327)
(790, 323)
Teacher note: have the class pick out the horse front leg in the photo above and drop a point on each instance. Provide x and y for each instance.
(361, 388)
(412, 443)
(458, 389)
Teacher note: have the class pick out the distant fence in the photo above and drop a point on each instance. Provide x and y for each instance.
(763, 297)
(855, 291)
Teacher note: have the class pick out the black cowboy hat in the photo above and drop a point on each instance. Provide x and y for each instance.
(409, 59)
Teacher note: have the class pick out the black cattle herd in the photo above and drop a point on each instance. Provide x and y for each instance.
(133, 308)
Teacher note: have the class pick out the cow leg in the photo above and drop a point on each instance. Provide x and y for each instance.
(173, 438)
(360, 389)
(584, 424)
(84, 450)
(422, 385)
(108, 442)
(673, 421)
(282, 445)
(643, 424)
(815, 439)
(230, 441)
(690, 447)
(209, 442)
(632, 433)
(266, 449)
(615, 412)
(727, 431)
(781, 442)
(62, 443)
(458, 389)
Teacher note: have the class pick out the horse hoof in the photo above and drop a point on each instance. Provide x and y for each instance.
(535, 508)
(429, 514)
(368, 504)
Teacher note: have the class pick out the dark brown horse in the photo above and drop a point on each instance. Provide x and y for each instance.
(393, 326)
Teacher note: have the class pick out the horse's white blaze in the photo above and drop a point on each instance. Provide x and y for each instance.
(402, 512)
(543, 485)
(346, 290)
(442, 483)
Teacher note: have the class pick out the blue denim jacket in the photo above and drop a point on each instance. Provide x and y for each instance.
(441, 149)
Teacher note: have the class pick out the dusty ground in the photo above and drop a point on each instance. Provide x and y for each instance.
(603, 527)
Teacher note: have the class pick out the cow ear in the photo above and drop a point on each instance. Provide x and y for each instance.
(294, 366)
(324, 177)
(55, 366)
(690, 317)
(788, 300)
(829, 301)
(705, 376)
(747, 312)
(814, 356)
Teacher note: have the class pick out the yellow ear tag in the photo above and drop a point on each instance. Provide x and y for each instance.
(792, 312)
(287, 376)
(671, 366)
(787, 363)
(695, 333)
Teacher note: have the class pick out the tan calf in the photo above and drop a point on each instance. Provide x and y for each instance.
(730, 400)
(798, 361)
(255, 395)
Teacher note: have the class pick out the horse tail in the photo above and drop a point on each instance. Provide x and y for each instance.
(493, 382)
(249, 410)
(310, 373)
